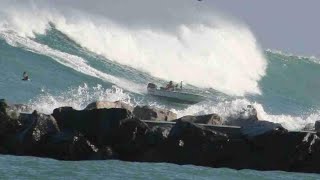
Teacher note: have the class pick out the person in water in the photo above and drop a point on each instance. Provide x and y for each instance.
(170, 86)
(25, 76)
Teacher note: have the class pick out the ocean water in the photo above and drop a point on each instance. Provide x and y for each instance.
(36, 168)
(76, 53)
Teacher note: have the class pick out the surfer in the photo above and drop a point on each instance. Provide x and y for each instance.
(25, 76)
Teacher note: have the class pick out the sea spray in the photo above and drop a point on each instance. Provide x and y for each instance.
(199, 47)
(78, 98)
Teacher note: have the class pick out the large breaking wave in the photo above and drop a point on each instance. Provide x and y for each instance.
(163, 38)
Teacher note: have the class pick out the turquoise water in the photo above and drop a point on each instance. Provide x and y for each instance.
(35, 168)
(74, 59)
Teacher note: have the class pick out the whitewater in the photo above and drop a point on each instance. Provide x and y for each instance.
(77, 53)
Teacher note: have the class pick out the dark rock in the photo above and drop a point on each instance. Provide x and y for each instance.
(276, 150)
(9, 122)
(129, 139)
(211, 119)
(116, 134)
(148, 113)
(21, 108)
(105, 153)
(189, 143)
(101, 126)
(35, 129)
(309, 127)
(259, 127)
(157, 135)
(246, 117)
(69, 146)
(317, 126)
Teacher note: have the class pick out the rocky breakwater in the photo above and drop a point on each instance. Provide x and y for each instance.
(117, 133)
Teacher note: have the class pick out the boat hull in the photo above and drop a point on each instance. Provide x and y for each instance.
(177, 96)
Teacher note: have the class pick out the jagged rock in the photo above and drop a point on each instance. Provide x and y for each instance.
(188, 143)
(69, 146)
(259, 127)
(157, 135)
(309, 127)
(129, 139)
(105, 153)
(37, 126)
(277, 149)
(148, 113)
(317, 126)
(35, 129)
(246, 117)
(211, 119)
(109, 105)
(307, 156)
(9, 122)
(101, 126)
(116, 134)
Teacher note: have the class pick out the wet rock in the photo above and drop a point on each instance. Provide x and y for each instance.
(157, 135)
(317, 126)
(149, 113)
(211, 119)
(9, 122)
(189, 143)
(246, 117)
(309, 127)
(68, 145)
(95, 124)
(34, 130)
(259, 127)
(109, 105)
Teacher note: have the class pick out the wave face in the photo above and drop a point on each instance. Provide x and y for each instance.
(76, 53)
(180, 43)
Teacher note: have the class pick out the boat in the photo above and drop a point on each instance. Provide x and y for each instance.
(175, 94)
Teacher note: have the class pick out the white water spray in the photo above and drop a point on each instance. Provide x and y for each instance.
(177, 40)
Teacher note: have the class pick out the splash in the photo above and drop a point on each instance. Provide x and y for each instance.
(78, 98)
(227, 109)
(169, 40)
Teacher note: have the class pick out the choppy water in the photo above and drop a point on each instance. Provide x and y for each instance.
(36, 168)
(76, 55)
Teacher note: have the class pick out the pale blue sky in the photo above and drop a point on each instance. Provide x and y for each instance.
(289, 25)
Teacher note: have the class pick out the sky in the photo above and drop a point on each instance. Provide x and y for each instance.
(291, 26)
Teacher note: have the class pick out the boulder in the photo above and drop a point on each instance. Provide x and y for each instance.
(9, 122)
(309, 127)
(277, 150)
(129, 139)
(155, 114)
(37, 127)
(211, 119)
(100, 126)
(35, 130)
(255, 128)
(245, 117)
(109, 105)
(157, 135)
(188, 143)
(317, 126)
(69, 146)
